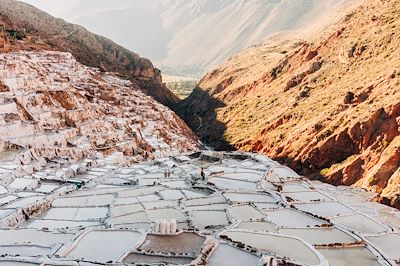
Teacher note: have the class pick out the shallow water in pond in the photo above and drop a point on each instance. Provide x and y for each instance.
(25, 251)
(75, 214)
(171, 194)
(139, 217)
(389, 244)
(202, 219)
(225, 183)
(205, 201)
(250, 197)
(292, 218)
(361, 224)
(160, 204)
(168, 214)
(306, 196)
(320, 236)
(31, 236)
(246, 213)
(349, 256)
(56, 224)
(257, 226)
(283, 246)
(210, 207)
(23, 202)
(96, 200)
(230, 256)
(252, 177)
(104, 246)
(325, 209)
(126, 209)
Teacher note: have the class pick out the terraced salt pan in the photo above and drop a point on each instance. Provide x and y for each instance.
(138, 217)
(224, 183)
(203, 219)
(282, 246)
(32, 236)
(307, 196)
(326, 209)
(161, 204)
(243, 176)
(75, 214)
(205, 201)
(256, 226)
(104, 246)
(349, 256)
(250, 197)
(149, 198)
(57, 224)
(126, 209)
(25, 251)
(96, 200)
(170, 194)
(24, 202)
(292, 219)
(361, 223)
(211, 207)
(246, 213)
(140, 191)
(235, 256)
(168, 214)
(388, 244)
(294, 186)
(7, 199)
(176, 184)
(320, 236)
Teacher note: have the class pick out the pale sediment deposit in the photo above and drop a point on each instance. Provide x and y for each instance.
(224, 208)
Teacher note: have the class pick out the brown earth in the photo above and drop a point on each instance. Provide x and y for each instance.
(329, 108)
(30, 28)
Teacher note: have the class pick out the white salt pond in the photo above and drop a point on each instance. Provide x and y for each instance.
(104, 246)
(246, 210)
(349, 256)
(280, 245)
(203, 219)
(293, 219)
(227, 255)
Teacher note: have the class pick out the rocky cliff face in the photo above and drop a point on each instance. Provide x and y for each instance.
(88, 48)
(330, 108)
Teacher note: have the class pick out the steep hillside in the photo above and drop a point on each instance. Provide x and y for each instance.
(52, 106)
(330, 109)
(189, 37)
(88, 48)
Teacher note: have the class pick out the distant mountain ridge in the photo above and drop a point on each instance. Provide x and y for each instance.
(190, 37)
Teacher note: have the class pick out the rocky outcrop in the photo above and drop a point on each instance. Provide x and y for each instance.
(329, 109)
(93, 50)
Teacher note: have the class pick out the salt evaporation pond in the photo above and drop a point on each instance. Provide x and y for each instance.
(246, 210)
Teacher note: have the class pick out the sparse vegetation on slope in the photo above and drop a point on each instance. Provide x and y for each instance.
(332, 105)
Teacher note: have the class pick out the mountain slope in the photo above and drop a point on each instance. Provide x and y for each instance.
(189, 37)
(88, 48)
(330, 109)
